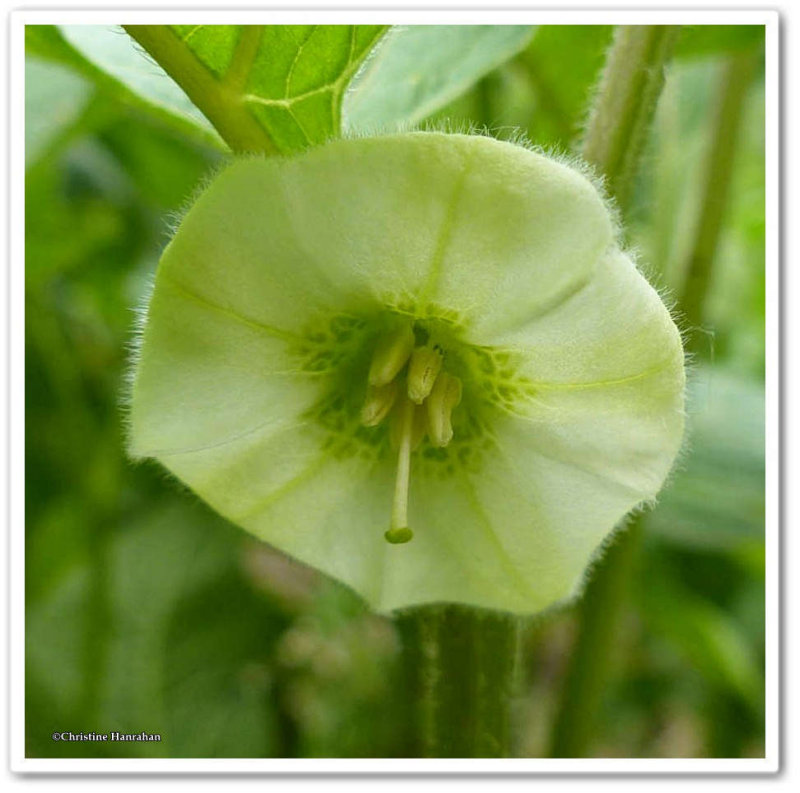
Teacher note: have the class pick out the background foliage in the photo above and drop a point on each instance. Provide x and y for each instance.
(145, 611)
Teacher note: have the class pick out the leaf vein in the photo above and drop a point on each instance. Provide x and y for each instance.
(296, 59)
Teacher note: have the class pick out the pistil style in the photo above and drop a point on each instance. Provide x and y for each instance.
(399, 531)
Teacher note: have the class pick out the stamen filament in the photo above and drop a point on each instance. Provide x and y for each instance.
(399, 531)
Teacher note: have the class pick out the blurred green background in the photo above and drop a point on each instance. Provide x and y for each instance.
(146, 611)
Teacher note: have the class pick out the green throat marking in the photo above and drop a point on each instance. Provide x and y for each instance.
(400, 381)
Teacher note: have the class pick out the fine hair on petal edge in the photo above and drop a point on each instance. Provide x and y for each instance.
(512, 136)
(617, 534)
(133, 352)
(133, 349)
(504, 134)
(175, 217)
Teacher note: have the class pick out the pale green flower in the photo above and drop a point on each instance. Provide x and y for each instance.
(303, 300)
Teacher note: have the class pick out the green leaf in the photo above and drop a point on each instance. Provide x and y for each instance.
(717, 497)
(88, 201)
(216, 675)
(563, 63)
(698, 41)
(182, 637)
(281, 87)
(418, 69)
(284, 279)
(670, 202)
(112, 52)
(708, 636)
(269, 88)
(164, 167)
(108, 57)
(55, 98)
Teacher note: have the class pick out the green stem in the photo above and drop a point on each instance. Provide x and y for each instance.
(623, 109)
(600, 613)
(735, 79)
(625, 102)
(220, 100)
(461, 666)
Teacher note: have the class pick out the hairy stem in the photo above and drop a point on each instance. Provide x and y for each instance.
(220, 101)
(600, 614)
(620, 117)
(461, 666)
(625, 102)
(735, 78)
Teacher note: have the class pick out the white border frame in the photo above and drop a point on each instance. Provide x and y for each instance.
(20, 764)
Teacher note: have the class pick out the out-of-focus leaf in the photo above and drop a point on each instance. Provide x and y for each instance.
(669, 207)
(717, 498)
(88, 203)
(113, 52)
(131, 620)
(703, 40)
(418, 69)
(563, 64)
(263, 87)
(737, 305)
(706, 635)
(86, 207)
(45, 41)
(108, 57)
(543, 91)
(216, 680)
(55, 98)
(164, 167)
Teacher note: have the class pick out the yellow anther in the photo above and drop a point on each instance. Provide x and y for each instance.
(422, 370)
(378, 403)
(391, 355)
(445, 396)
(419, 402)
